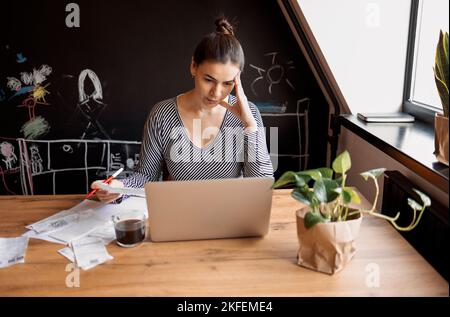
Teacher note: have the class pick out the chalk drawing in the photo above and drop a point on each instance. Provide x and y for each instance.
(91, 106)
(36, 160)
(39, 92)
(26, 78)
(7, 151)
(22, 91)
(131, 163)
(13, 83)
(97, 95)
(273, 75)
(30, 103)
(116, 161)
(20, 58)
(261, 77)
(35, 128)
(67, 148)
(302, 118)
(11, 163)
(303, 113)
(34, 170)
(37, 77)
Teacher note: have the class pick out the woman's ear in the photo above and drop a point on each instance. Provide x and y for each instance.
(193, 67)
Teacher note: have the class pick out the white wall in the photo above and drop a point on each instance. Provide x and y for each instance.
(364, 43)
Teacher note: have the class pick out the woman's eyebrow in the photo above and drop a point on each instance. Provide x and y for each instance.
(211, 77)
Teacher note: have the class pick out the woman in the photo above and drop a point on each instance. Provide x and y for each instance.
(205, 133)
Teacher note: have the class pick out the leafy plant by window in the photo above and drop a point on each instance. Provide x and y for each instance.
(329, 197)
(441, 70)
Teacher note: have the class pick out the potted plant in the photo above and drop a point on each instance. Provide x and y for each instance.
(441, 78)
(327, 226)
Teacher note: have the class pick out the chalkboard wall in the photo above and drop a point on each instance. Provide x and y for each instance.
(73, 100)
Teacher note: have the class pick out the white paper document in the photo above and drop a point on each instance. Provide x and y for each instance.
(140, 192)
(80, 227)
(12, 251)
(54, 227)
(41, 236)
(89, 252)
(67, 253)
(106, 233)
(63, 218)
(85, 229)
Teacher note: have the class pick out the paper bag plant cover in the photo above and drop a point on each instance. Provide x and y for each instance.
(441, 139)
(326, 247)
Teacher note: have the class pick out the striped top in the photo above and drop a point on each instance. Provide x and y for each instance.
(233, 153)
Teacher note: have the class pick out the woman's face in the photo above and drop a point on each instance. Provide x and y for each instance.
(214, 81)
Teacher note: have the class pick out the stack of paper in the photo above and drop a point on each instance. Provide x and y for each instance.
(86, 252)
(85, 229)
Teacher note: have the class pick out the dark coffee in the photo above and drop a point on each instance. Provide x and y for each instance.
(130, 232)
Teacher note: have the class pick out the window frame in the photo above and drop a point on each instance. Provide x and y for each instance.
(420, 111)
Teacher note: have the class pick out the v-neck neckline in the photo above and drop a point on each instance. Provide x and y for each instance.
(185, 131)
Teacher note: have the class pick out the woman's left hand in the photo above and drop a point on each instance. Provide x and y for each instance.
(241, 108)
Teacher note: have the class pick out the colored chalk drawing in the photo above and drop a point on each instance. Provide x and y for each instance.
(39, 160)
(36, 126)
(9, 157)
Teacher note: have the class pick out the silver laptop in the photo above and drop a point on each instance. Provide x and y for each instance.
(209, 209)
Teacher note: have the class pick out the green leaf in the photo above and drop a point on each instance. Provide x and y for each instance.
(342, 163)
(354, 195)
(314, 174)
(285, 179)
(302, 181)
(413, 204)
(320, 191)
(348, 195)
(374, 173)
(312, 218)
(441, 58)
(443, 91)
(441, 70)
(302, 196)
(326, 172)
(324, 190)
(425, 199)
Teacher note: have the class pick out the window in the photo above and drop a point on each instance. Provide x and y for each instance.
(420, 94)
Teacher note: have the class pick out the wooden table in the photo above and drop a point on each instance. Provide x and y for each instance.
(229, 267)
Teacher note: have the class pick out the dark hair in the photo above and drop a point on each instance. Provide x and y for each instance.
(221, 46)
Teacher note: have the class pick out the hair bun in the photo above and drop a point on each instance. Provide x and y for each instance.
(224, 27)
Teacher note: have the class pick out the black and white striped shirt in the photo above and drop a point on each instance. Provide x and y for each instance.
(233, 153)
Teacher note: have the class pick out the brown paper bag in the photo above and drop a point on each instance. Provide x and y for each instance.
(326, 247)
(441, 138)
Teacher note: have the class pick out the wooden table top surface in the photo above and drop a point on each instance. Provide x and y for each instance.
(384, 264)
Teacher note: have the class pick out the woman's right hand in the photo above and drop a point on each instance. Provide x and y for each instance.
(104, 195)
